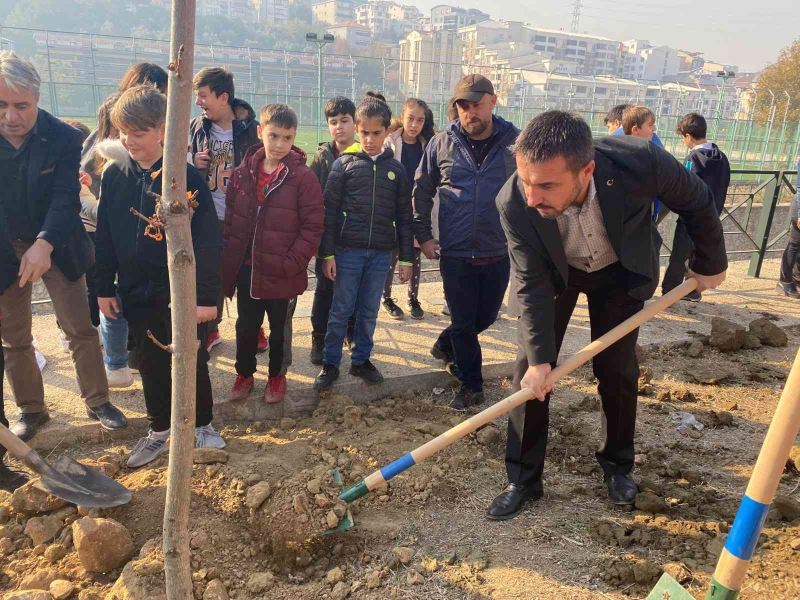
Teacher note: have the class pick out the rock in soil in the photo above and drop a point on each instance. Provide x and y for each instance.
(141, 579)
(257, 494)
(751, 342)
(215, 590)
(259, 583)
(678, 572)
(708, 375)
(61, 589)
(768, 333)
(727, 336)
(788, 507)
(340, 591)
(43, 529)
(403, 554)
(28, 595)
(102, 544)
(373, 580)
(694, 349)
(209, 456)
(41, 579)
(650, 503)
(30, 500)
(334, 576)
(488, 435)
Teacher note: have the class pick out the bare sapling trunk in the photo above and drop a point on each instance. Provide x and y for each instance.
(183, 301)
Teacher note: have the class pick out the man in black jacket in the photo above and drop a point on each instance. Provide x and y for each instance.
(577, 216)
(43, 238)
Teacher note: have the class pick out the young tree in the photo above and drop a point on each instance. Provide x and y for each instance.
(782, 75)
(183, 300)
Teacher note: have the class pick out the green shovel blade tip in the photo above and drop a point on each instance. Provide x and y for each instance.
(717, 591)
(354, 492)
(346, 523)
(669, 589)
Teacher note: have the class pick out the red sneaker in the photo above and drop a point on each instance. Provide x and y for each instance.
(276, 389)
(263, 341)
(212, 340)
(241, 388)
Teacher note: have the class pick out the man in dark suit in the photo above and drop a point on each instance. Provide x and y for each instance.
(42, 237)
(577, 216)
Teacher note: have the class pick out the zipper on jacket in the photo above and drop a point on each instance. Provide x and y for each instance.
(372, 216)
(341, 231)
(255, 228)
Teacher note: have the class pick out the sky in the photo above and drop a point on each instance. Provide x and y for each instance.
(746, 33)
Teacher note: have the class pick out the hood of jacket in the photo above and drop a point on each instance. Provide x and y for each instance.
(706, 153)
(356, 150)
(113, 151)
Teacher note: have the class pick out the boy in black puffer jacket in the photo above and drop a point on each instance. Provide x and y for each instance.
(367, 215)
(132, 262)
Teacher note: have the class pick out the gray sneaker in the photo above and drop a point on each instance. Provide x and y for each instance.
(207, 437)
(147, 450)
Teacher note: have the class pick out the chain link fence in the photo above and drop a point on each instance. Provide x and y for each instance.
(79, 70)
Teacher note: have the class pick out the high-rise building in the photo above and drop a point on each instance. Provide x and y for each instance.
(272, 11)
(356, 36)
(444, 16)
(430, 64)
(642, 60)
(594, 55)
(388, 19)
(334, 11)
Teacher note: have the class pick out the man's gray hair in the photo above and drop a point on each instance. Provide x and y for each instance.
(18, 73)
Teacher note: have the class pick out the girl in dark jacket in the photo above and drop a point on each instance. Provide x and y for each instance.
(273, 226)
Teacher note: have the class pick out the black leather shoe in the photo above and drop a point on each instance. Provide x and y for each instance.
(622, 489)
(509, 504)
(110, 416)
(693, 296)
(367, 372)
(10, 479)
(326, 377)
(440, 354)
(317, 346)
(28, 425)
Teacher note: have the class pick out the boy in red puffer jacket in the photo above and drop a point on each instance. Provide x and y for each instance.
(273, 226)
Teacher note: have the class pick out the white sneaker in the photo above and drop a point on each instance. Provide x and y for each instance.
(207, 437)
(119, 378)
(148, 449)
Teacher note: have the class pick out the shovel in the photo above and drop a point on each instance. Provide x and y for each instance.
(502, 407)
(67, 479)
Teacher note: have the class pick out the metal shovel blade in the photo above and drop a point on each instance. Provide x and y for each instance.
(346, 522)
(71, 481)
(669, 589)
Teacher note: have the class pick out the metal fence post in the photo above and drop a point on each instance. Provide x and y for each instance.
(772, 193)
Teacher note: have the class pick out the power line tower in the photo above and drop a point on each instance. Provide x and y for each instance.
(576, 16)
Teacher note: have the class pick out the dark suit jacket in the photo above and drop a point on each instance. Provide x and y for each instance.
(629, 173)
(53, 201)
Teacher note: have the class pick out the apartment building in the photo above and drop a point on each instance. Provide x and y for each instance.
(334, 11)
(452, 18)
(430, 64)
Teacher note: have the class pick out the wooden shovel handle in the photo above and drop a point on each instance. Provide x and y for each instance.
(568, 366)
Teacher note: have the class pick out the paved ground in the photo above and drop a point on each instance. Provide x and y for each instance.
(401, 352)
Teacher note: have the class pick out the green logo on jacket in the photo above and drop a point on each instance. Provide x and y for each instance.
(391, 175)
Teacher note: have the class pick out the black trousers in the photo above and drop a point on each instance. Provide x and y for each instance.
(321, 307)
(474, 294)
(251, 316)
(616, 369)
(413, 285)
(682, 250)
(155, 365)
(790, 263)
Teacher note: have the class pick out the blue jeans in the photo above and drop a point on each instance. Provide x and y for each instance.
(360, 275)
(114, 335)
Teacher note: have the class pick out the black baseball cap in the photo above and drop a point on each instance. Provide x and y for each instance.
(472, 88)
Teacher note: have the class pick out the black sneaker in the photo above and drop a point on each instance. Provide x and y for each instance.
(693, 296)
(440, 354)
(326, 377)
(466, 398)
(28, 425)
(415, 310)
(390, 307)
(367, 372)
(110, 416)
(10, 479)
(317, 346)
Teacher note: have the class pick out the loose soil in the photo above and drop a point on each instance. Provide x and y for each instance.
(424, 536)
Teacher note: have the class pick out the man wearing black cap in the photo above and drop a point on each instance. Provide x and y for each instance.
(464, 167)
